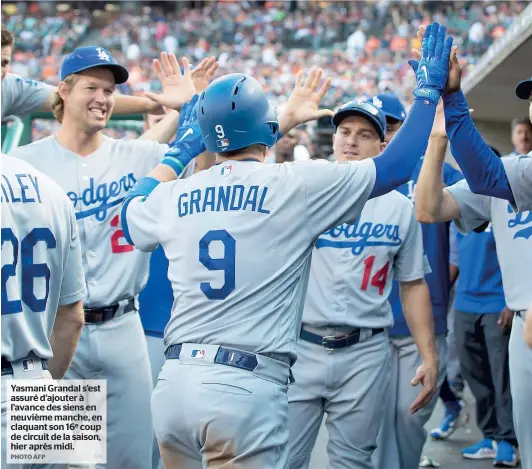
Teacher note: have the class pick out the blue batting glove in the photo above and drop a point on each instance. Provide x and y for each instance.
(189, 141)
(433, 68)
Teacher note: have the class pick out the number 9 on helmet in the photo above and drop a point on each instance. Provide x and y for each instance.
(234, 112)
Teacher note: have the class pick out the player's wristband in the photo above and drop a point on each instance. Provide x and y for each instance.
(174, 163)
(428, 93)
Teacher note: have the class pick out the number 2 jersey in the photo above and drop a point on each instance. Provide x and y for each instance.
(97, 184)
(238, 238)
(41, 259)
(354, 265)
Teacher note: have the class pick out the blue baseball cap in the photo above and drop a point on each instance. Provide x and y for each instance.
(390, 104)
(364, 109)
(523, 89)
(84, 58)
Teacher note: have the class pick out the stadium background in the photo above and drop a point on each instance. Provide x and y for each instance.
(364, 46)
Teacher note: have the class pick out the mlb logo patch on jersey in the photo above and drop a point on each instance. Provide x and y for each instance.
(199, 354)
(222, 143)
(226, 170)
(28, 365)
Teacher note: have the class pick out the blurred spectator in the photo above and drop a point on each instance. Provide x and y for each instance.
(363, 46)
(521, 136)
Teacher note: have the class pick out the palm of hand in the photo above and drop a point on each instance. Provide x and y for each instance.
(179, 89)
(303, 103)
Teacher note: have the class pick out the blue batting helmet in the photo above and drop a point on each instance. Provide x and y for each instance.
(364, 109)
(235, 113)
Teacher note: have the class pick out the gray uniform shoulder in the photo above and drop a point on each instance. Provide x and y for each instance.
(32, 150)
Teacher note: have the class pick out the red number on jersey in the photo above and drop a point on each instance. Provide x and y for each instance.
(116, 245)
(379, 279)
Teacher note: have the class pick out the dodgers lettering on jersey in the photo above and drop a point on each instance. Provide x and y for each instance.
(41, 259)
(21, 96)
(513, 236)
(519, 172)
(239, 277)
(479, 285)
(354, 265)
(436, 245)
(96, 185)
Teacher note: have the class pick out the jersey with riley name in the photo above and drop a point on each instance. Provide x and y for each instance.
(243, 232)
(97, 184)
(519, 172)
(513, 237)
(354, 265)
(41, 259)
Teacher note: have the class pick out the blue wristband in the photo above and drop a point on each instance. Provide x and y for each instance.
(174, 163)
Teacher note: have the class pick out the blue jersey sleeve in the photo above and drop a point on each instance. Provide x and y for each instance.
(482, 168)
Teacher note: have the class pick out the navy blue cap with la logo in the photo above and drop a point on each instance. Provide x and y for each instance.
(84, 58)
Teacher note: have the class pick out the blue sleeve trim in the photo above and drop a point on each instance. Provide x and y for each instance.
(123, 217)
(143, 188)
(399, 159)
(482, 168)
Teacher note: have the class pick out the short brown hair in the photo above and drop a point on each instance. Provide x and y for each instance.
(58, 105)
(7, 37)
(521, 121)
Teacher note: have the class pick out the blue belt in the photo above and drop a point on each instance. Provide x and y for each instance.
(331, 342)
(224, 356)
(7, 369)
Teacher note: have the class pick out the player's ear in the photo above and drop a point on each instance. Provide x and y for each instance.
(382, 147)
(62, 90)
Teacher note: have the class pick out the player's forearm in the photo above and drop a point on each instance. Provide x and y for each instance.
(164, 131)
(482, 168)
(125, 104)
(397, 162)
(65, 336)
(417, 308)
(429, 189)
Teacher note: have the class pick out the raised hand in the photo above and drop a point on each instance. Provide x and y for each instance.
(303, 104)
(203, 73)
(178, 88)
(455, 69)
(189, 142)
(432, 69)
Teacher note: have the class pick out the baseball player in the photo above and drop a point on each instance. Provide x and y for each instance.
(96, 172)
(42, 279)
(482, 327)
(514, 249)
(243, 232)
(402, 435)
(507, 178)
(22, 96)
(344, 358)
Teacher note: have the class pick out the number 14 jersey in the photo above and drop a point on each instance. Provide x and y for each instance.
(354, 265)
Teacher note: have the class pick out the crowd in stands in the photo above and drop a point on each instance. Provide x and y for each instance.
(363, 46)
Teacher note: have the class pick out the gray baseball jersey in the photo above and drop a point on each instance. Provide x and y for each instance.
(243, 232)
(21, 96)
(96, 185)
(513, 233)
(41, 259)
(354, 265)
(519, 172)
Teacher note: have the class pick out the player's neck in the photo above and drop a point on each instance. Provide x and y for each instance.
(284, 157)
(78, 141)
(240, 157)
